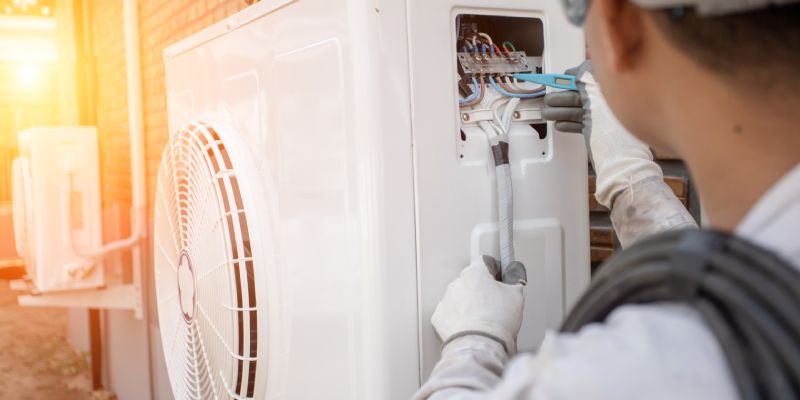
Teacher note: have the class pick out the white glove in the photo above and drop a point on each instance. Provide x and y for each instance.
(477, 304)
(619, 159)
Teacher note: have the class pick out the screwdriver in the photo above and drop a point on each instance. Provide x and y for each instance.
(559, 81)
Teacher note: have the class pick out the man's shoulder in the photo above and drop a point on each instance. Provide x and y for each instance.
(666, 347)
(774, 221)
(647, 328)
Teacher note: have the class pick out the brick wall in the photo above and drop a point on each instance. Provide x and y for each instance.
(161, 23)
(164, 22)
(111, 102)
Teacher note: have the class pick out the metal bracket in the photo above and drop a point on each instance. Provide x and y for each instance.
(475, 116)
(527, 114)
(120, 297)
(116, 297)
(484, 114)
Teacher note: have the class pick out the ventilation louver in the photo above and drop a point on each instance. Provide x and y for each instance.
(207, 289)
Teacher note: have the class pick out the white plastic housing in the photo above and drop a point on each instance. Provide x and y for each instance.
(57, 169)
(349, 111)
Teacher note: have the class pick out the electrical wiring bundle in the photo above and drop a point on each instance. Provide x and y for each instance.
(486, 71)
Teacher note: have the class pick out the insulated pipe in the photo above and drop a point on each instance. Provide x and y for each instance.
(135, 115)
(505, 202)
(136, 132)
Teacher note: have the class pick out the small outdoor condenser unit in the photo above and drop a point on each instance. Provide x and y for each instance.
(56, 207)
(329, 173)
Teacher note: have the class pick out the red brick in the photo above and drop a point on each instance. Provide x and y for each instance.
(161, 23)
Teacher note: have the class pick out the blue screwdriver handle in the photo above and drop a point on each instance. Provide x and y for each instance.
(560, 81)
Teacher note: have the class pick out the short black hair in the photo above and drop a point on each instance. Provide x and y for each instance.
(757, 47)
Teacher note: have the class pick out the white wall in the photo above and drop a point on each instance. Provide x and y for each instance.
(126, 358)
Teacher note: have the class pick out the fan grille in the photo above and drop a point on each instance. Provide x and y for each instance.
(205, 281)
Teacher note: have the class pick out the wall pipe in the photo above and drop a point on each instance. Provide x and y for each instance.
(133, 67)
(136, 133)
(135, 113)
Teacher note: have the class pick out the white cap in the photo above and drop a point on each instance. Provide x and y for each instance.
(714, 7)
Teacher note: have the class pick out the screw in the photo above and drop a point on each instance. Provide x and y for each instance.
(465, 117)
(517, 115)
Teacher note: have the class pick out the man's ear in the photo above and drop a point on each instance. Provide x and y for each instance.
(621, 22)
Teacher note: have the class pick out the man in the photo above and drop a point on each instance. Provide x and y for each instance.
(715, 81)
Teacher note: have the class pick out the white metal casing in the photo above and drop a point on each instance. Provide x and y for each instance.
(349, 110)
(58, 168)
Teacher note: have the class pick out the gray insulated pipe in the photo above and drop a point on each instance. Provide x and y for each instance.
(512, 271)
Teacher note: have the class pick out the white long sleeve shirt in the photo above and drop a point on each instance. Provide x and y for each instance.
(659, 351)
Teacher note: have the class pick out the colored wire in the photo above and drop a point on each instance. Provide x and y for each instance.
(495, 104)
(511, 89)
(482, 90)
(508, 114)
(488, 40)
(519, 85)
(487, 37)
(475, 93)
(507, 45)
(512, 84)
(517, 95)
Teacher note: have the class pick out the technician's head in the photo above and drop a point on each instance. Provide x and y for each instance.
(652, 55)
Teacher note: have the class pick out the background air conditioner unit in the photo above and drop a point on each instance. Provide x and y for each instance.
(322, 186)
(56, 203)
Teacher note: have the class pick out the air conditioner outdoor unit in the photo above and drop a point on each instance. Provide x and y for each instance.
(56, 203)
(321, 188)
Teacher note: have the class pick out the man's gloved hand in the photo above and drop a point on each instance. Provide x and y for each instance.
(619, 159)
(477, 304)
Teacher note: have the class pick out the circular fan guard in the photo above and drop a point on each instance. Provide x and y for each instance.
(206, 283)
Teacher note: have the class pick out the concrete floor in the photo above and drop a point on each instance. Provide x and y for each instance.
(36, 361)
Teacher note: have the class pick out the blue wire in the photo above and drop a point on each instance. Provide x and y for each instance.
(475, 92)
(518, 95)
(483, 48)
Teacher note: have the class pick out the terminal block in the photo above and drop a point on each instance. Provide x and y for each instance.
(489, 63)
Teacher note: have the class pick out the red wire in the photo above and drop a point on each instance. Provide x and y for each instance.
(497, 49)
(486, 41)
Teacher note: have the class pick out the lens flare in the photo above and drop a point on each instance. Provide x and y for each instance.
(28, 74)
